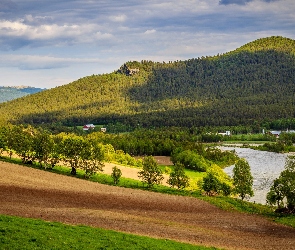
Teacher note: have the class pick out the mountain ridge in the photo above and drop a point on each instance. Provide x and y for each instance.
(8, 93)
(252, 84)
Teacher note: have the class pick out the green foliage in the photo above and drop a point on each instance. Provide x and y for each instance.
(282, 191)
(277, 147)
(91, 157)
(42, 147)
(150, 174)
(219, 157)
(20, 140)
(242, 179)
(251, 85)
(23, 233)
(116, 174)
(178, 177)
(3, 139)
(211, 184)
(191, 160)
(216, 182)
(72, 146)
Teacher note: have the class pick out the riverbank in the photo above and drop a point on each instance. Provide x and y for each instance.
(265, 167)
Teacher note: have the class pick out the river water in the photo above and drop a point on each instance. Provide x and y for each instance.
(265, 167)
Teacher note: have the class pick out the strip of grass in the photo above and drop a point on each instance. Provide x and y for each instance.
(23, 233)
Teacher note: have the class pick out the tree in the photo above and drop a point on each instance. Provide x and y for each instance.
(178, 177)
(3, 139)
(276, 194)
(42, 146)
(91, 157)
(216, 181)
(211, 184)
(116, 174)
(242, 178)
(150, 173)
(72, 145)
(21, 141)
(282, 192)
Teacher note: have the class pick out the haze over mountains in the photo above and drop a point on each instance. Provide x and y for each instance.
(13, 92)
(253, 84)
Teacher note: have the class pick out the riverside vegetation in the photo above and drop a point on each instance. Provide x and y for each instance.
(84, 155)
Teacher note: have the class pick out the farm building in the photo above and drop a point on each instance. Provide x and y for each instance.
(88, 126)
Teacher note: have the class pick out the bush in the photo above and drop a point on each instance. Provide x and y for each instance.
(191, 160)
(116, 174)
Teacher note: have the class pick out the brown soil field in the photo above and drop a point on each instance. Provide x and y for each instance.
(33, 193)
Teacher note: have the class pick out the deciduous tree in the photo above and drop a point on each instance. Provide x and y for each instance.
(178, 177)
(242, 178)
(282, 191)
(150, 174)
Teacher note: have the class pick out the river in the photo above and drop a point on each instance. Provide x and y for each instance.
(265, 167)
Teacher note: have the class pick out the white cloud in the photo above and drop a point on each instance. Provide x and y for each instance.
(32, 62)
(148, 32)
(52, 34)
(118, 18)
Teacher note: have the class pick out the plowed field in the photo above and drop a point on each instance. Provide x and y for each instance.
(34, 193)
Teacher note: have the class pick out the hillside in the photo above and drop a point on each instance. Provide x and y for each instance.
(14, 92)
(252, 85)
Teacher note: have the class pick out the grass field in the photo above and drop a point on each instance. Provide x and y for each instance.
(22, 233)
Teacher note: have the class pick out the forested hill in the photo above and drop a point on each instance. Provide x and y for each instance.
(253, 84)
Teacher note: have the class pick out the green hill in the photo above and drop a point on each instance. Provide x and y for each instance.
(253, 84)
(14, 92)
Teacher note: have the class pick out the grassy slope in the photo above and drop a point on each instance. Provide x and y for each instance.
(22, 233)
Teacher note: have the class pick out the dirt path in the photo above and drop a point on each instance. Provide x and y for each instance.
(128, 172)
(34, 193)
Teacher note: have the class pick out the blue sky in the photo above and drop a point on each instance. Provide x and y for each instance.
(50, 43)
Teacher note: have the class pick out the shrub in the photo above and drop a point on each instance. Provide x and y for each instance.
(116, 174)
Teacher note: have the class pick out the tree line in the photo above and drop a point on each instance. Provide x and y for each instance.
(88, 153)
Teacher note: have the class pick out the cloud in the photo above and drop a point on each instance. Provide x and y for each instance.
(149, 32)
(33, 62)
(7, 5)
(240, 2)
(16, 34)
(118, 18)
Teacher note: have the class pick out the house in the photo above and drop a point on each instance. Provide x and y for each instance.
(88, 126)
(103, 129)
(275, 133)
(226, 133)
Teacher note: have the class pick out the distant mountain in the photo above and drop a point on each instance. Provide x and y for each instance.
(252, 85)
(14, 92)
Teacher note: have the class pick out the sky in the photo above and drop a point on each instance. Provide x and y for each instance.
(46, 44)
